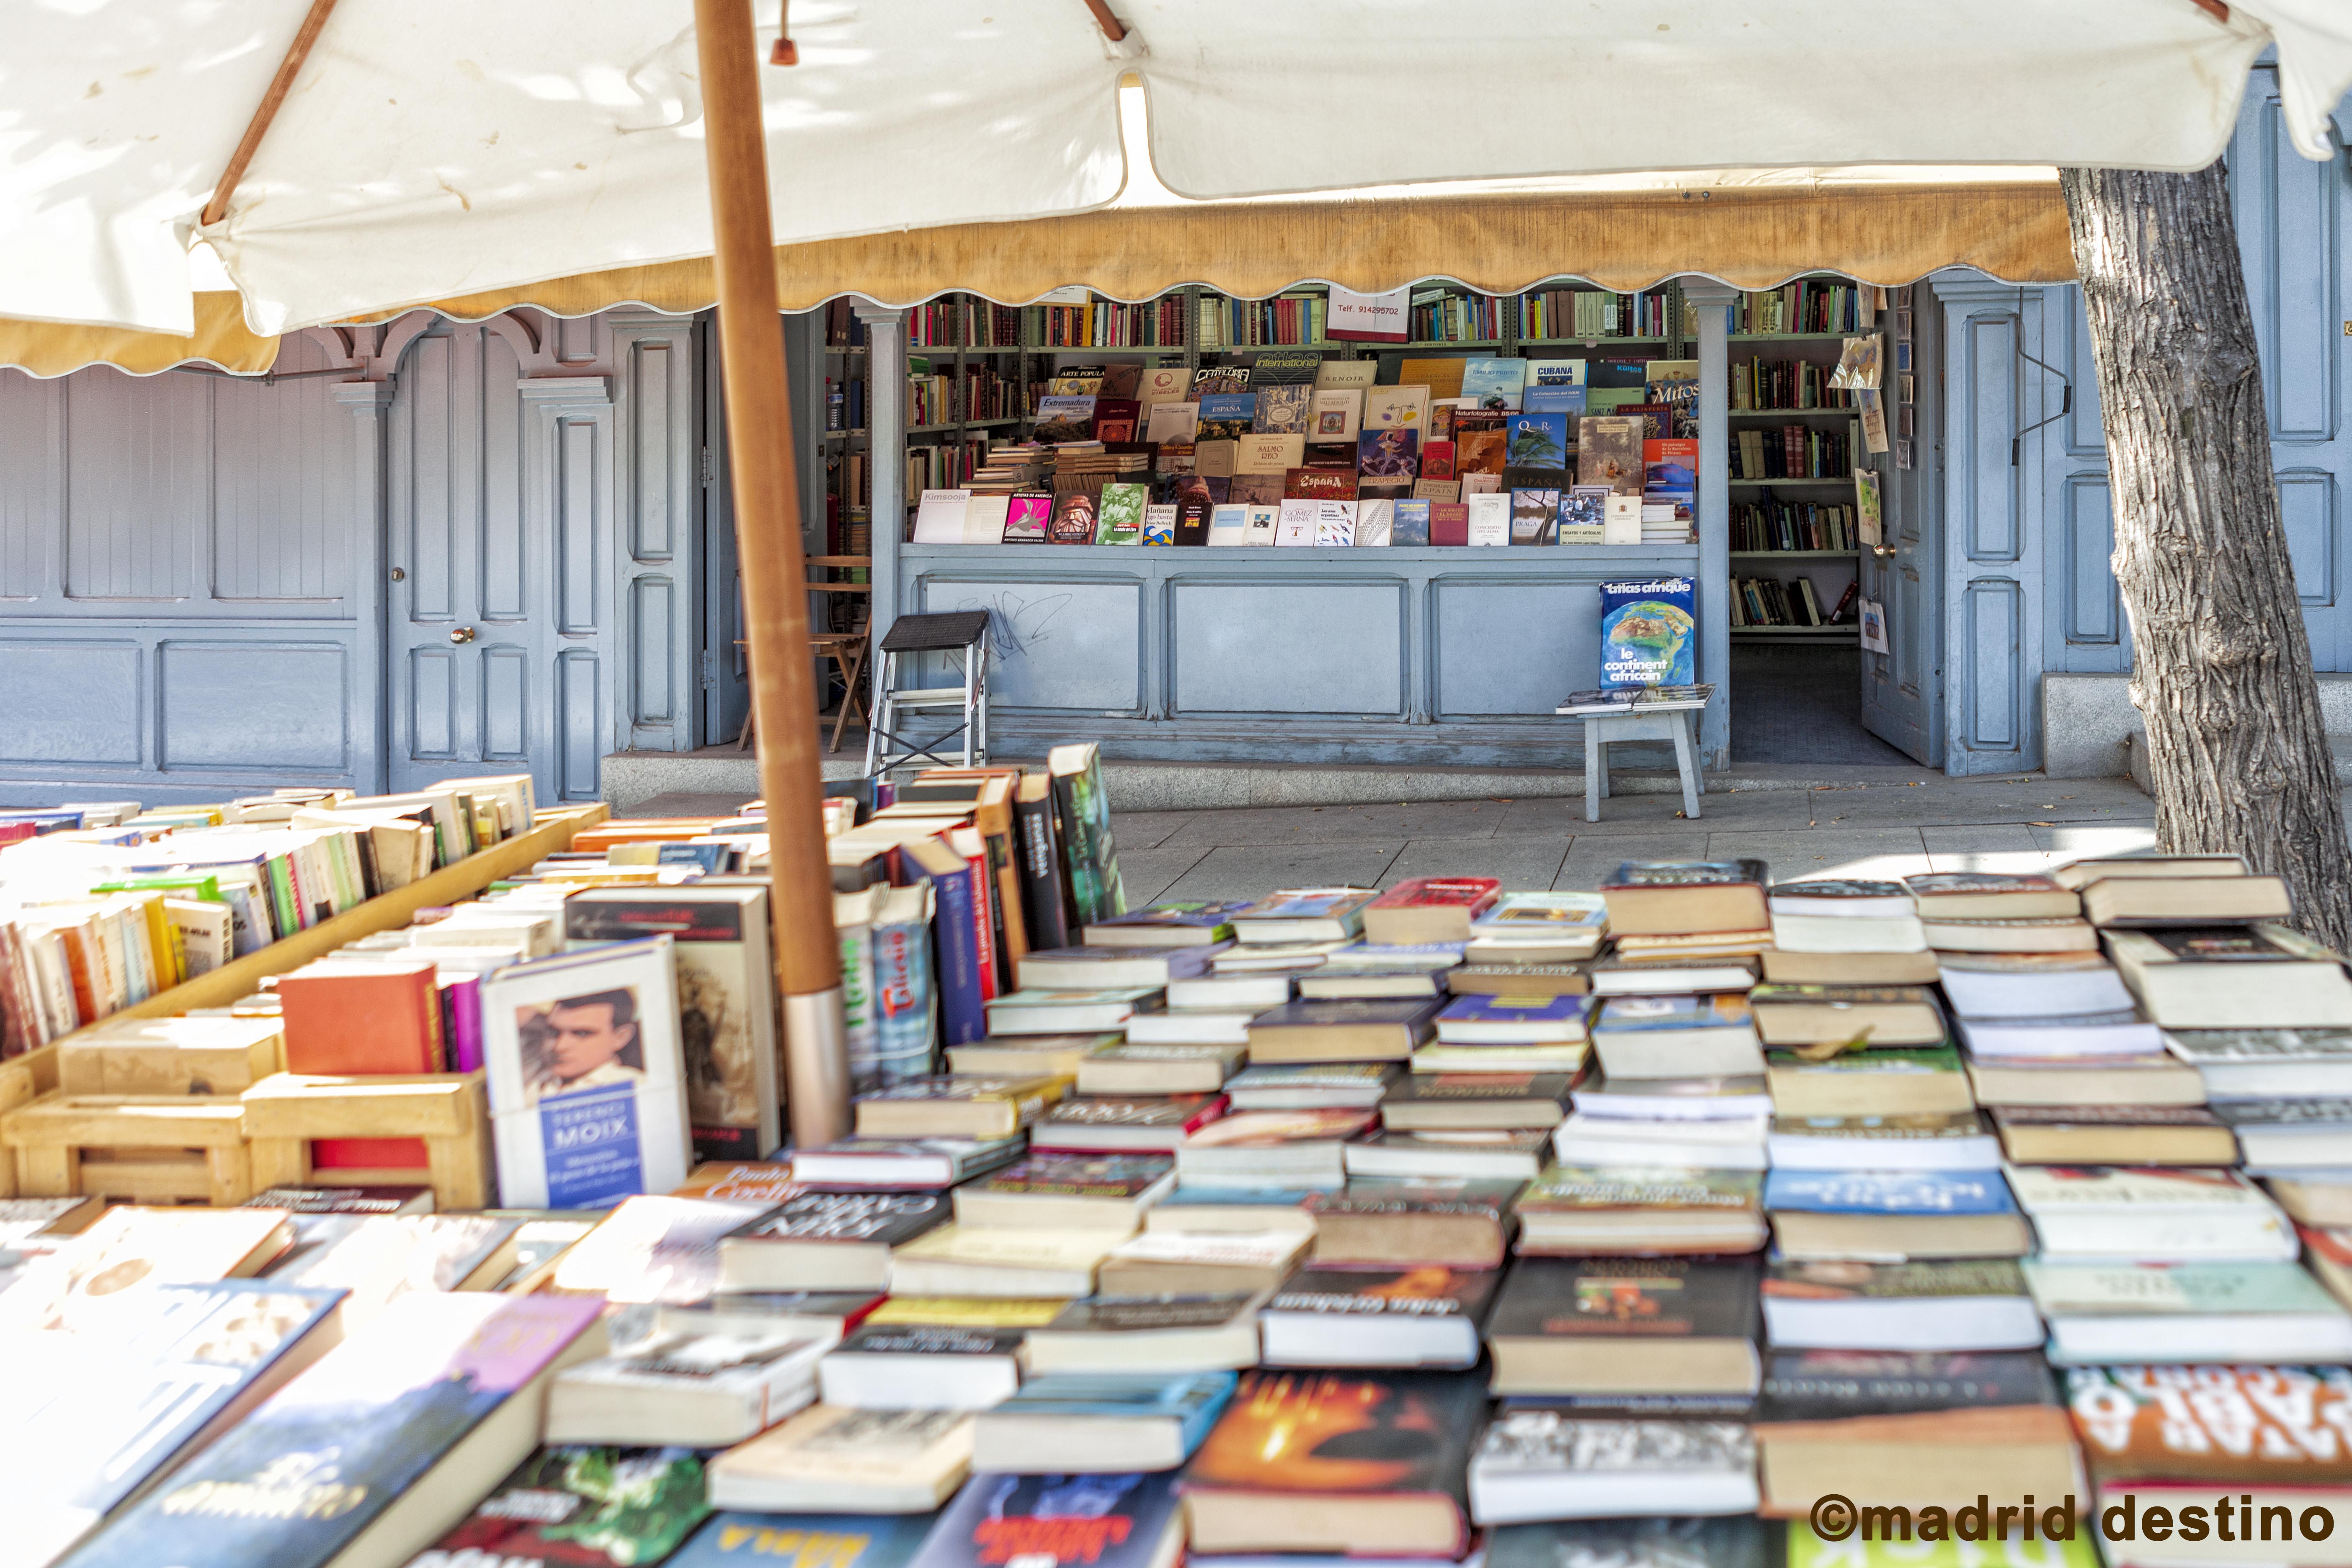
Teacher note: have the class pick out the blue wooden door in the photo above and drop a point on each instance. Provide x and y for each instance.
(500, 500)
(2291, 217)
(1903, 689)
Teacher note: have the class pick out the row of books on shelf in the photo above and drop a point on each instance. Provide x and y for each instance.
(1792, 452)
(937, 397)
(939, 464)
(1489, 384)
(1300, 316)
(1793, 602)
(1589, 313)
(104, 905)
(1440, 315)
(1775, 524)
(966, 321)
(1776, 385)
(1121, 513)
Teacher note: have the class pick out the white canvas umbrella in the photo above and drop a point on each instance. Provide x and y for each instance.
(431, 149)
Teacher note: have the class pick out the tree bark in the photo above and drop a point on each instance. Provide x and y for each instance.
(2222, 664)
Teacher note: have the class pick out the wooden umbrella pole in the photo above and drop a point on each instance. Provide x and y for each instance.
(775, 597)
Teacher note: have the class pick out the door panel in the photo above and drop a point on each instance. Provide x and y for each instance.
(1902, 689)
(501, 495)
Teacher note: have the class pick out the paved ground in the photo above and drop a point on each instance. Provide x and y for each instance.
(1946, 826)
(1878, 829)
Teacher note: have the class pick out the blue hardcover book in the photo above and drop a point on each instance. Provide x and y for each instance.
(1058, 1521)
(1889, 1191)
(1649, 1015)
(1242, 406)
(955, 936)
(1254, 1197)
(1192, 1400)
(710, 858)
(123, 1393)
(1538, 440)
(1493, 382)
(1412, 524)
(805, 1540)
(1553, 398)
(316, 1471)
(1500, 1010)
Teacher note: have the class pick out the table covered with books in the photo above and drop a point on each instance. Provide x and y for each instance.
(1444, 1224)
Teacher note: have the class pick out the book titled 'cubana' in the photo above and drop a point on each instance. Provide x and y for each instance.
(374, 1452)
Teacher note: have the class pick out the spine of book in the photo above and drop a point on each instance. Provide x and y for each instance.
(1077, 856)
(905, 1004)
(963, 992)
(861, 1018)
(1044, 899)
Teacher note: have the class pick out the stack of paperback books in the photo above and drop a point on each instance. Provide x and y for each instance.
(1436, 1224)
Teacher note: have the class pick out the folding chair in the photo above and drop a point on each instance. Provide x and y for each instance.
(845, 648)
(962, 635)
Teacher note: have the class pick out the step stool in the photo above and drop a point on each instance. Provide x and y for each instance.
(962, 635)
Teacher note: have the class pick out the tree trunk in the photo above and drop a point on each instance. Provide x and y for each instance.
(2222, 664)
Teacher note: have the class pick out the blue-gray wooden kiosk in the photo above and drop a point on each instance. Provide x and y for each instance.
(1393, 656)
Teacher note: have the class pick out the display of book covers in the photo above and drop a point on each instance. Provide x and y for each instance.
(1445, 1224)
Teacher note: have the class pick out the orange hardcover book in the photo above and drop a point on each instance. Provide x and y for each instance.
(368, 1019)
(363, 1021)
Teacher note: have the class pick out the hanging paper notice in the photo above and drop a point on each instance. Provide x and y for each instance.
(1873, 420)
(1873, 625)
(1368, 317)
(1857, 366)
(1870, 507)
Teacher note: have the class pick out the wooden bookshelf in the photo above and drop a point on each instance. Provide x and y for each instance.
(1791, 413)
(1795, 555)
(1824, 479)
(1842, 633)
(36, 1070)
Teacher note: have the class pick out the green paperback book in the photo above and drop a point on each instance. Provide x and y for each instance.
(1119, 519)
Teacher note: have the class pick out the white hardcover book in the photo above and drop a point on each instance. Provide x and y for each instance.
(1335, 523)
(939, 517)
(1229, 523)
(984, 518)
(587, 1076)
(1490, 518)
(1261, 523)
(726, 992)
(1375, 519)
(1296, 522)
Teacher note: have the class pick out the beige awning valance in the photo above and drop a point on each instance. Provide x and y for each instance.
(1752, 236)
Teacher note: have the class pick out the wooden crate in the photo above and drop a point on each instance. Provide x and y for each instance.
(450, 1111)
(150, 1150)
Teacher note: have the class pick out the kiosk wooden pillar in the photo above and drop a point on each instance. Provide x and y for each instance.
(775, 601)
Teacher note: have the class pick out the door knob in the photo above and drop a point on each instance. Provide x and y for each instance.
(1878, 550)
(462, 633)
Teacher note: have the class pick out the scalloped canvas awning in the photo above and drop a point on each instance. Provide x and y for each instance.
(1751, 235)
(433, 153)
